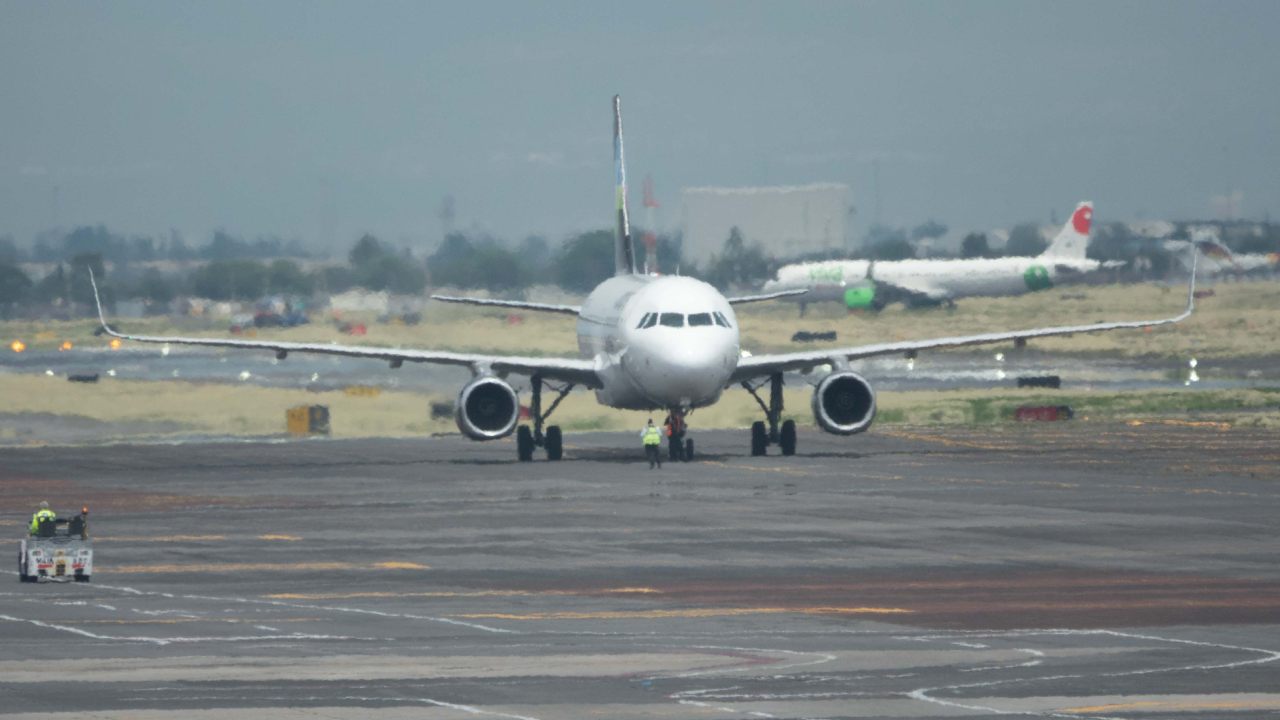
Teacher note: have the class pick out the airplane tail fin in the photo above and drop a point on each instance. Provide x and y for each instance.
(624, 259)
(1072, 242)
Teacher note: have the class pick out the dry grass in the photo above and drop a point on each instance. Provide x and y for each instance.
(1241, 320)
(246, 410)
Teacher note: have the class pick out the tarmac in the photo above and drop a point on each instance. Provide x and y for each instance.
(1047, 570)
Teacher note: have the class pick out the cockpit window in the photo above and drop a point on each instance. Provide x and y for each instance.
(643, 320)
(700, 319)
(721, 320)
(653, 320)
(671, 320)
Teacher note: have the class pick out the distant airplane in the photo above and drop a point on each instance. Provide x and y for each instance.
(877, 283)
(1226, 263)
(650, 343)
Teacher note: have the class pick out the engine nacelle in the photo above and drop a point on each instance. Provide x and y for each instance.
(487, 409)
(844, 403)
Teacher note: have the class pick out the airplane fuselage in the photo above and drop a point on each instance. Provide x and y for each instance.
(946, 279)
(658, 342)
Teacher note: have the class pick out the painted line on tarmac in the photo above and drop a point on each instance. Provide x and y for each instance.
(1186, 703)
(172, 568)
(158, 538)
(926, 694)
(302, 606)
(686, 613)
(173, 640)
(462, 594)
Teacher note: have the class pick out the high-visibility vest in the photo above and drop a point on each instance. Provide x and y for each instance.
(652, 436)
(41, 514)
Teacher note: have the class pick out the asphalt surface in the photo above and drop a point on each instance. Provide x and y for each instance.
(1051, 570)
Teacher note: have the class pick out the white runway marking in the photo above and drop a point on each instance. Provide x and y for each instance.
(304, 606)
(926, 694)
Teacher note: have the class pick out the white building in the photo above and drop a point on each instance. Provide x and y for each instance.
(786, 221)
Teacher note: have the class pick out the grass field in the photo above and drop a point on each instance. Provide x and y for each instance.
(1240, 320)
(246, 410)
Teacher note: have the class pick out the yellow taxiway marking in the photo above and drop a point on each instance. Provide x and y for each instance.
(159, 538)
(1222, 426)
(255, 567)
(277, 536)
(1177, 706)
(950, 442)
(457, 594)
(685, 613)
(224, 567)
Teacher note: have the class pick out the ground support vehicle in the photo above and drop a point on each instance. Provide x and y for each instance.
(60, 550)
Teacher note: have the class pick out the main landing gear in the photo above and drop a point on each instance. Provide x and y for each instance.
(552, 440)
(763, 436)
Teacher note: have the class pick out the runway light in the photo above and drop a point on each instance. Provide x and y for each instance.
(1193, 363)
(911, 364)
(315, 377)
(65, 346)
(1000, 357)
(115, 343)
(245, 375)
(164, 350)
(49, 372)
(111, 372)
(17, 346)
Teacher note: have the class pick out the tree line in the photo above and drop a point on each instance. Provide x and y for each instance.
(230, 268)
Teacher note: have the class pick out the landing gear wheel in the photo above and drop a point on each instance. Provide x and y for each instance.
(788, 439)
(688, 450)
(759, 438)
(554, 443)
(524, 443)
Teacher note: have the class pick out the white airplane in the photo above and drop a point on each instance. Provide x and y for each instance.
(874, 284)
(649, 343)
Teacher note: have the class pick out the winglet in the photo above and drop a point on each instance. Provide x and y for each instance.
(1191, 287)
(102, 318)
(624, 260)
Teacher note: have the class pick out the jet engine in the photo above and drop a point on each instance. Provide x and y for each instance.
(487, 409)
(844, 403)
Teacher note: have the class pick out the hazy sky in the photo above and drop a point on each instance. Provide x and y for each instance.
(323, 120)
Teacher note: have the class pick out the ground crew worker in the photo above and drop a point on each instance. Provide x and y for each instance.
(652, 438)
(673, 426)
(44, 513)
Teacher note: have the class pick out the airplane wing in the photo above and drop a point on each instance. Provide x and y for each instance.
(574, 370)
(514, 304)
(757, 365)
(742, 299)
(911, 289)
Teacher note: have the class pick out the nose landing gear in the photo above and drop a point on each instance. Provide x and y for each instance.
(552, 440)
(781, 434)
(679, 447)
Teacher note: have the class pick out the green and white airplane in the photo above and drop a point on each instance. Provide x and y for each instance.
(874, 284)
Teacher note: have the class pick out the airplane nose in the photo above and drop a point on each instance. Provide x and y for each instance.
(683, 373)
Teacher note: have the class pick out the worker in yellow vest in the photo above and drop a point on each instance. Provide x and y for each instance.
(44, 513)
(652, 438)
